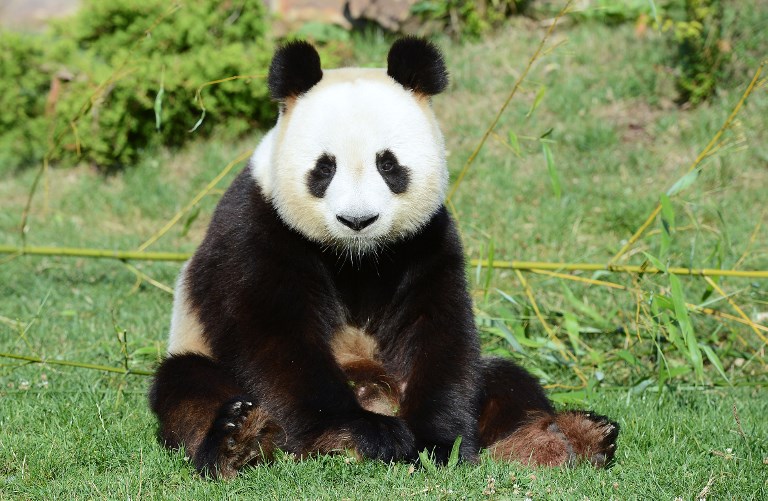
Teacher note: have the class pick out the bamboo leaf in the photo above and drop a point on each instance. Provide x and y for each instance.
(655, 262)
(686, 327)
(572, 328)
(191, 218)
(537, 100)
(159, 105)
(628, 357)
(714, 360)
(655, 13)
(199, 122)
(553, 177)
(683, 183)
(667, 214)
(584, 307)
(514, 143)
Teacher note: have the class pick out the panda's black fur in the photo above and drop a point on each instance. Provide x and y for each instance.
(272, 303)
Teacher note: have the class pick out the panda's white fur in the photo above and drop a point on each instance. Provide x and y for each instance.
(352, 114)
(186, 334)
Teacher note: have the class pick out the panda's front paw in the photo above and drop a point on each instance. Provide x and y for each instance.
(384, 437)
(241, 434)
(370, 435)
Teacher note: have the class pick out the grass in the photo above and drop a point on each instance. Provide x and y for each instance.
(80, 438)
(617, 143)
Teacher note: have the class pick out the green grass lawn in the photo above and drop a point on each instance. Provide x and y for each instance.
(617, 141)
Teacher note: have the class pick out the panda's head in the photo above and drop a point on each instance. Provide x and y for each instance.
(356, 160)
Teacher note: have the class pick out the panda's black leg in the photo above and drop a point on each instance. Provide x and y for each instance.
(201, 408)
(517, 422)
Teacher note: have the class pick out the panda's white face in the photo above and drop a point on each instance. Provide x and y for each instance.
(355, 163)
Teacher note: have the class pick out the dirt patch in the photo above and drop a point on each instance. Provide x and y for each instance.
(34, 14)
(634, 119)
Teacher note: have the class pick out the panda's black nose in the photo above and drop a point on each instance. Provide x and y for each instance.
(357, 223)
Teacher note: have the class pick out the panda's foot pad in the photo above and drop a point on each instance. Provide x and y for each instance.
(246, 435)
(539, 442)
(592, 436)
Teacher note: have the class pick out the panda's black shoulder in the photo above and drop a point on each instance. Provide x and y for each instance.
(437, 241)
(244, 237)
(241, 213)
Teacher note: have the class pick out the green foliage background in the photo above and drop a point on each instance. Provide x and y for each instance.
(111, 61)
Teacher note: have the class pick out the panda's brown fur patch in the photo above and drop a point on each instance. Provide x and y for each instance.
(539, 442)
(593, 437)
(374, 388)
(335, 442)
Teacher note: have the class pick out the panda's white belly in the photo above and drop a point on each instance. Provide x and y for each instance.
(186, 330)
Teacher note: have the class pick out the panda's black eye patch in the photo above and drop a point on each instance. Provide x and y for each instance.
(319, 178)
(395, 175)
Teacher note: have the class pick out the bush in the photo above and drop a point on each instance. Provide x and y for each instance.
(469, 18)
(695, 29)
(152, 58)
(23, 88)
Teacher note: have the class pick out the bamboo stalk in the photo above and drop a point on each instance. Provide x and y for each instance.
(82, 365)
(509, 265)
(94, 253)
(699, 272)
(709, 149)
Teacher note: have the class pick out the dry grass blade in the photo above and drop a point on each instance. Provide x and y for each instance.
(708, 150)
(143, 277)
(199, 95)
(528, 292)
(577, 278)
(738, 310)
(752, 239)
(512, 93)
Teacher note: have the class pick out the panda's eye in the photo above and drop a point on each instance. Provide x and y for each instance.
(394, 174)
(320, 177)
(386, 162)
(325, 169)
(325, 166)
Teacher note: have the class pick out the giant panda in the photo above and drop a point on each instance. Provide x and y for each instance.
(327, 307)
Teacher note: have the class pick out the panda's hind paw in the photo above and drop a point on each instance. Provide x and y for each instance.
(592, 436)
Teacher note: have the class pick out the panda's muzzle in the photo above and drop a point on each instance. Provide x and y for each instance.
(357, 223)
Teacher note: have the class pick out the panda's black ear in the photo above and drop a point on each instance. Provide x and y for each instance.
(294, 70)
(417, 65)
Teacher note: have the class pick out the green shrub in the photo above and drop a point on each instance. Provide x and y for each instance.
(24, 85)
(139, 48)
(469, 18)
(695, 29)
